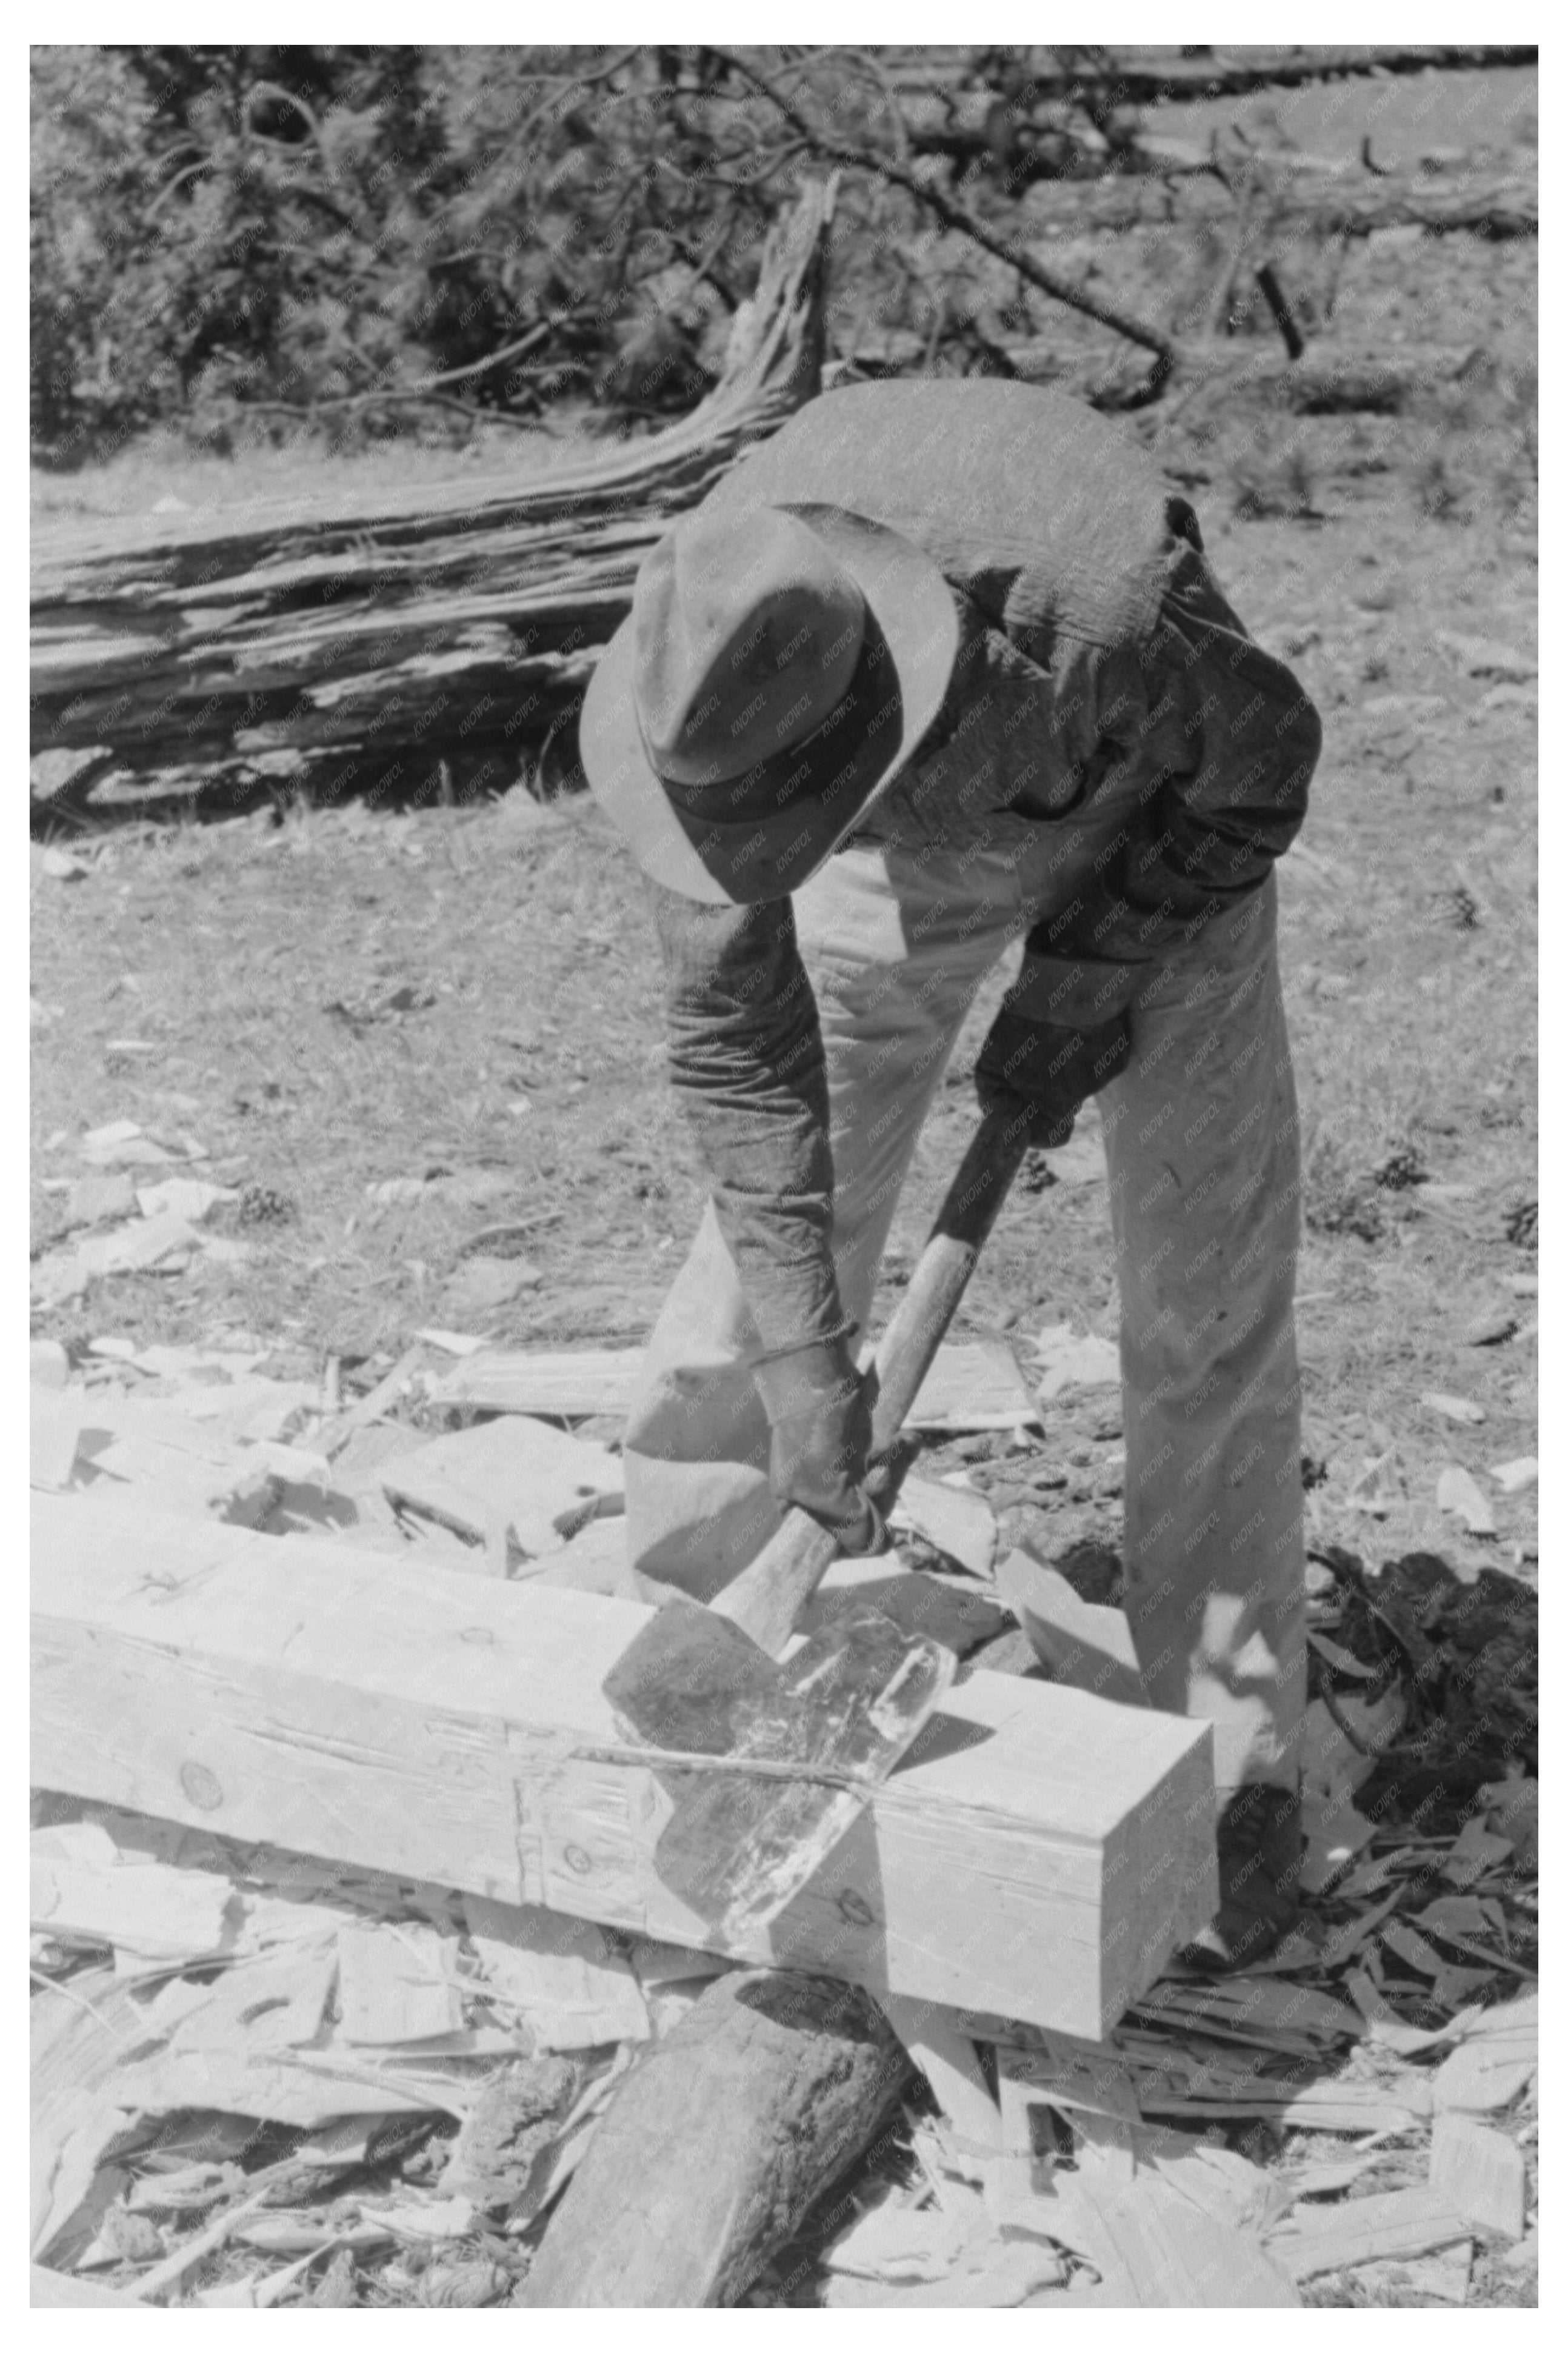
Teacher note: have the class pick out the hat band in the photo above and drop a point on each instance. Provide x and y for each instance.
(733, 825)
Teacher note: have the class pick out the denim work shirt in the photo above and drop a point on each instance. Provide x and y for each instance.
(1103, 688)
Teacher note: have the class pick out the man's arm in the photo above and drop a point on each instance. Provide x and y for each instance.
(745, 1052)
(746, 1060)
(1228, 741)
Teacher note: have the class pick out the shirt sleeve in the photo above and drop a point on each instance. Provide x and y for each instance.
(746, 1061)
(1225, 740)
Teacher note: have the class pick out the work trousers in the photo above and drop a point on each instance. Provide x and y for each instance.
(1202, 1163)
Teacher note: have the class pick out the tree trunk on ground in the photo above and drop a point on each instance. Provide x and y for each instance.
(465, 624)
(719, 2142)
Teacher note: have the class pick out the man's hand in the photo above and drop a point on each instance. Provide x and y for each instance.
(1047, 1071)
(820, 1416)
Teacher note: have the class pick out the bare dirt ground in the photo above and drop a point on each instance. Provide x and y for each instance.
(469, 999)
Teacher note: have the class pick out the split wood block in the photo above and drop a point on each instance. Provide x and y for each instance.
(1040, 1853)
(592, 1561)
(972, 1385)
(516, 1473)
(954, 1520)
(139, 1442)
(1082, 1644)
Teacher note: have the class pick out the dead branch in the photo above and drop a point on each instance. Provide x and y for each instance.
(953, 214)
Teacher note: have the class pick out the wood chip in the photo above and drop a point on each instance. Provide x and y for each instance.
(141, 1247)
(947, 2059)
(1453, 1408)
(1089, 1647)
(1459, 1493)
(55, 1421)
(1494, 2063)
(656, 1963)
(1480, 2171)
(1474, 1852)
(142, 1443)
(1445, 2277)
(558, 1976)
(960, 1524)
(397, 1985)
(147, 1912)
(1319, 2238)
(100, 1200)
(191, 1198)
(991, 2275)
(537, 1481)
(1152, 2246)
(262, 2006)
(897, 2242)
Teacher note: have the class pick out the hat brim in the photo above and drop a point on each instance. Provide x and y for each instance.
(760, 836)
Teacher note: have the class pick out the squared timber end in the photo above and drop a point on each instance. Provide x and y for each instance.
(1039, 1854)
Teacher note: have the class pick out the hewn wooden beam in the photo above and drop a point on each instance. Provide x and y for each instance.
(1041, 1855)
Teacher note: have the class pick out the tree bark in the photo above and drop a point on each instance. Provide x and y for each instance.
(719, 2142)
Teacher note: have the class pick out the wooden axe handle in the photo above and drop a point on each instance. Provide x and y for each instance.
(767, 1597)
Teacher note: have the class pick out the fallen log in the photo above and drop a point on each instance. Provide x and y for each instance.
(1308, 203)
(1134, 78)
(719, 2142)
(365, 641)
(1326, 379)
(1040, 1854)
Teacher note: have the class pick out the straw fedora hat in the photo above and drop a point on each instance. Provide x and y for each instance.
(778, 669)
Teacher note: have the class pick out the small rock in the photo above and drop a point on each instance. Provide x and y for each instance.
(1453, 1408)
(449, 2286)
(132, 2238)
(47, 1364)
(394, 1191)
(484, 1284)
(1458, 1493)
(1068, 1361)
(61, 867)
(1513, 1477)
